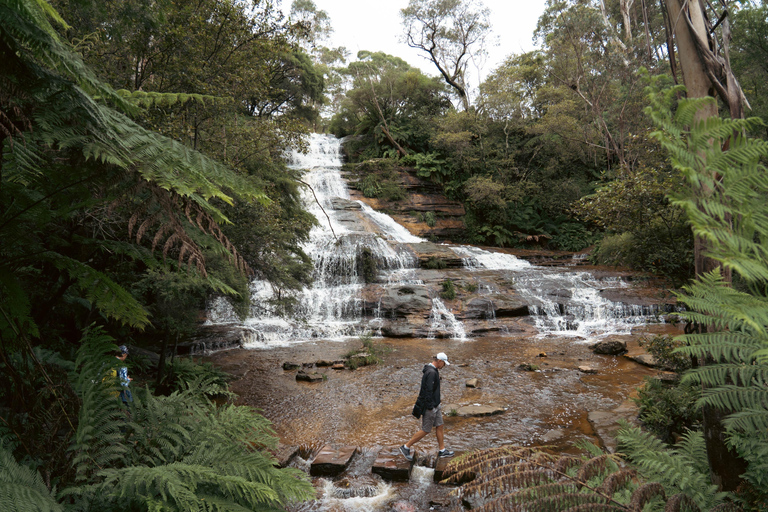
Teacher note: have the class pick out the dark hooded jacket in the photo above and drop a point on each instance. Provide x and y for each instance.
(429, 395)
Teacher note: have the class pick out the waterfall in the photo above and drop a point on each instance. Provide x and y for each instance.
(352, 242)
(333, 306)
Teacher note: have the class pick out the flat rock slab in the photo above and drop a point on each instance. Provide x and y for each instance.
(309, 377)
(473, 410)
(391, 465)
(332, 461)
(606, 423)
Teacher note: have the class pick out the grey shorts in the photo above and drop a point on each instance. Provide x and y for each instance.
(431, 418)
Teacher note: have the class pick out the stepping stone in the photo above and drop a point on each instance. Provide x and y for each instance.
(332, 461)
(309, 377)
(474, 410)
(284, 454)
(442, 462)
(391, 465)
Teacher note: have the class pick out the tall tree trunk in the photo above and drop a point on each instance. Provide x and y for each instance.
(703, 76)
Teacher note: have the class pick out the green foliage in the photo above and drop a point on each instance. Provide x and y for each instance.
(22, 489)
(434, 263)
(516, 478)
(634, 211)
(449, 290)
(724, 198)
(680, 470)
(186, 373)
(668, 409)
(370, 353)
(169, 453)
(428, 166)
(367, 266)
(663, 349)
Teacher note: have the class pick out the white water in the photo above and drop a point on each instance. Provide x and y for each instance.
(560, 302)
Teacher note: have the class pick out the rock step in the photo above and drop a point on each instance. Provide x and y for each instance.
(391, 465)
(331, 461)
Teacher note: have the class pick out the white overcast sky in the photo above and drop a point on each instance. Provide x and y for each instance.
(375, 25)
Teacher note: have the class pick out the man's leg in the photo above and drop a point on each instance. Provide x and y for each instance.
(418, 436)
(439, 434)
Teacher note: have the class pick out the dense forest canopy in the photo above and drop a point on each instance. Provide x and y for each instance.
(143, 173)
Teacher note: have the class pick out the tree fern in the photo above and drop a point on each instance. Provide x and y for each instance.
(22, 489)
(526, 479)
(98, 442)
(681, 470)
(725, 199)
(177, 452)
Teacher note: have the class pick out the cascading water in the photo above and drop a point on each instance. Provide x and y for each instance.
(339, 247)
(352, 241)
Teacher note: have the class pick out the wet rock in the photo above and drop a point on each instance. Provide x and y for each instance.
(324, 363)
(606, 423)
(284, 454)
(644, 359)
(338, 203)
(211, 338)
(427, 252)
(440, 503)
(397, 330)
(587, 369)
(288, 366)
(331, 461)
(473, 383)
(309, 377)
(552, 436)
(391, 465)
(404, 301)
(610, 347)
(473, 410)
(403, 506)
(441, 465)
(528, 367)
(667, 376)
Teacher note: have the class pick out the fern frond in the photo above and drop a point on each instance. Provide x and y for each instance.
(98, 442)
(679, 471)
(22, 489)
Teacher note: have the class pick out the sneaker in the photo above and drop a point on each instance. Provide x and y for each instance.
(445, 452)
(406, 452)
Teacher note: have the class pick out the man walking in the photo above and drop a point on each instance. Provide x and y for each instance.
(429, 403)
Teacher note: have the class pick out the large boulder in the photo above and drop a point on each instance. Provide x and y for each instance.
(610, 347)
(405, 301)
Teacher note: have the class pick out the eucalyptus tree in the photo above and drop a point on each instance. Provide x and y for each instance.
(390, 101)
(451, 33)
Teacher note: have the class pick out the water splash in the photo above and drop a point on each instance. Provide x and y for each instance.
(441, 320)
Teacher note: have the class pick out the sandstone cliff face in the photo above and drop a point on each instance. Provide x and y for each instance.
(423, 202)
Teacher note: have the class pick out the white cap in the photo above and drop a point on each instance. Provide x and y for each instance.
(442, 357)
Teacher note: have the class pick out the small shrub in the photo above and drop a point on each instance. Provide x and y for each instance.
(449, 290)
(668, 409)
(367, 266)
(373, 352)
(469, 287)
(662, 348)
(429, 219)
(435, 263)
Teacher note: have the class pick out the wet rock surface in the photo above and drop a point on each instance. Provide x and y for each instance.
(331, 461)
(391, 465)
